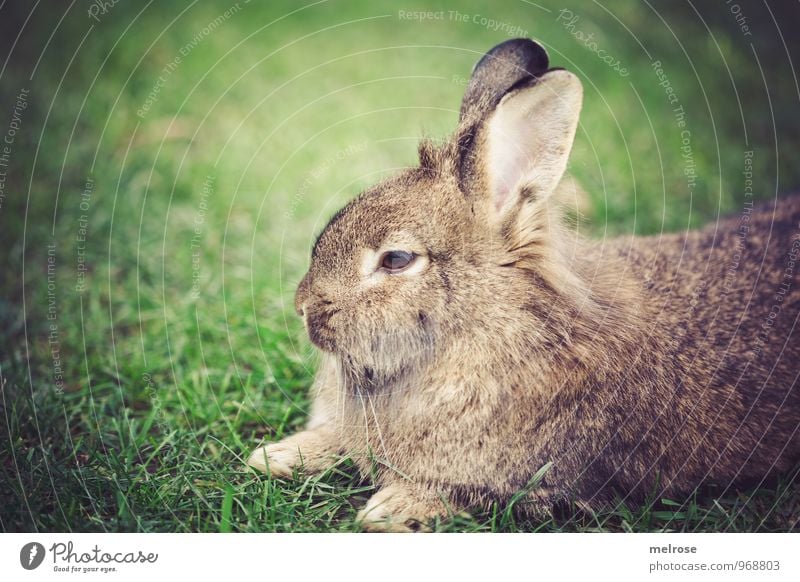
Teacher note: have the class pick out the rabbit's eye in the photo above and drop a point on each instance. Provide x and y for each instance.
(394, 261)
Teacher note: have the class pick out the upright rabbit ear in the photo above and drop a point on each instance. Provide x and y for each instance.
(523, 146)
(518, 120)
(502, 68)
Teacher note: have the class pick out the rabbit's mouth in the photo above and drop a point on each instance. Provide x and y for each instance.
(383, 357)
(319, 329)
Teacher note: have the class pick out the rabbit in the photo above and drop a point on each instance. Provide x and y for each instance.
(474, 348)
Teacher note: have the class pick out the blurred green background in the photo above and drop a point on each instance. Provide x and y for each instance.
(171, 163)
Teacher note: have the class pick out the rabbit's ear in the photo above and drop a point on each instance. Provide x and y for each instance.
(502, 68)
(526, 141)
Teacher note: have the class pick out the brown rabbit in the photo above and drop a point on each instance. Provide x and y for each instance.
(469, 340)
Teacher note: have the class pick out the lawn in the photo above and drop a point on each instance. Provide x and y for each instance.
(170, 166)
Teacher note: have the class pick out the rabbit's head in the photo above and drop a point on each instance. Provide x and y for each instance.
(451, 247)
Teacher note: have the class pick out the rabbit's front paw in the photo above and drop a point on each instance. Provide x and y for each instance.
(398, 508)
(277, 459)
(310, 450)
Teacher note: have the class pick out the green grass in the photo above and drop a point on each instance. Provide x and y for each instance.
(166, 386)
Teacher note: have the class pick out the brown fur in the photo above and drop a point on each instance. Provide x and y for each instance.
(635, 366)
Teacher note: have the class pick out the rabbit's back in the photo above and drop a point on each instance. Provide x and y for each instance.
(729, 294)
(723, 304)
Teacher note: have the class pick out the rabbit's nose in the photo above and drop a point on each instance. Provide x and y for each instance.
(307, 298)
(302, 295)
